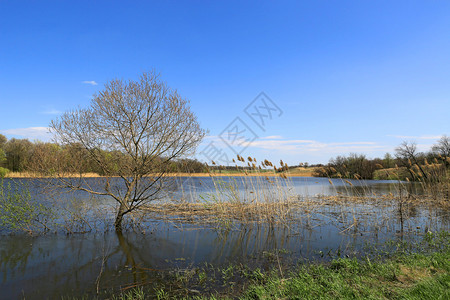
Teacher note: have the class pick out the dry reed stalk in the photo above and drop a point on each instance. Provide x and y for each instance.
(271, 200)
(38, 175)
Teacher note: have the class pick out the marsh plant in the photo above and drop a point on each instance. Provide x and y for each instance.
(263, 194)
(18, 211)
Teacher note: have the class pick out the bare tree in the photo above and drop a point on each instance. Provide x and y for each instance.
(132, 130)
(442, 148)
(409, 156)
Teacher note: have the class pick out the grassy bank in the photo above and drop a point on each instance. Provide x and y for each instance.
(414, 276)
(403, 275)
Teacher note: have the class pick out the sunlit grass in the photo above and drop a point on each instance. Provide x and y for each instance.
(403, 275)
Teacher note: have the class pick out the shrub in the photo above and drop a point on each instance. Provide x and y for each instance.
(3, 172)
(18, 212)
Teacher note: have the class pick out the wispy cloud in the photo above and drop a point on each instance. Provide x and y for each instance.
(91, 82)
(302, 146)
(52, 112)
(297, 146)
(422, 137)
(272, 137)
(31, 133)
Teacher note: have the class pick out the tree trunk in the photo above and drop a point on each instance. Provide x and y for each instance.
(119, 217)
(127, 250)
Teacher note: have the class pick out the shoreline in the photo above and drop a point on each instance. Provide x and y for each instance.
(94, 175)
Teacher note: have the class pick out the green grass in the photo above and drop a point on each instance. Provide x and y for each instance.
(413, 276)
(404, 275)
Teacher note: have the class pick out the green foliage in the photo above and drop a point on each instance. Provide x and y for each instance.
(407, 276)
(18, 154)
(3, 141)
(2, 156)
(423, 275)
(19, 213)
(354, 166)
(388, 161)
(3, 172)
(134, 294)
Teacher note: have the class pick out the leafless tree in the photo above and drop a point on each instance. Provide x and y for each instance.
(442, 148)
(409, 156)
(132, 130)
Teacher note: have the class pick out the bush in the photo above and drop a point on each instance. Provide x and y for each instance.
(3, 172)
(19, 213)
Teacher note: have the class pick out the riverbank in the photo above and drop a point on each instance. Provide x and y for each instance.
(401, 275)
(297, 172)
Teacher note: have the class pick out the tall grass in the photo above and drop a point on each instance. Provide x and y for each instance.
(271, 199)
(413, 276)
(265, 196)
(432, 178)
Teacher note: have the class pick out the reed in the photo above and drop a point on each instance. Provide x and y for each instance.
(272, 200)
(264, 196)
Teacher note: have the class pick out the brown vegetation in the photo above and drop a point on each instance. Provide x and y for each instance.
(132, 130)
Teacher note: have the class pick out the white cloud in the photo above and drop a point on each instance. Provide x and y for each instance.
(424, 147)
(31, 133)
(290, 150)
(272, 137)
(303, 146)
(297, 146)
(52, 112)
(91, 82)
(422, 137)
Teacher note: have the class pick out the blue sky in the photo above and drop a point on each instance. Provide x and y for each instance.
(347, 76)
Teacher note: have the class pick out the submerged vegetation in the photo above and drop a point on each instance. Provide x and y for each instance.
(18, 212)
(269, 198)
(403, 274)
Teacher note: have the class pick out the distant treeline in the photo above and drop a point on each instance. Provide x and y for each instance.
(21, 155)
(406, 163)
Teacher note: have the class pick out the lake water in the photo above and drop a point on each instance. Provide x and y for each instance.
(55, 264)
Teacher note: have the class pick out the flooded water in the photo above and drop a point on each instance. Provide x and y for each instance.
(69, 263)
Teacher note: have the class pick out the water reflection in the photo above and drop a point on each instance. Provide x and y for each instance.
(54, 265)
(74, 264)
(189, 188)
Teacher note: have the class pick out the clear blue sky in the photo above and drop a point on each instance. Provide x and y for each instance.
(348, 76)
